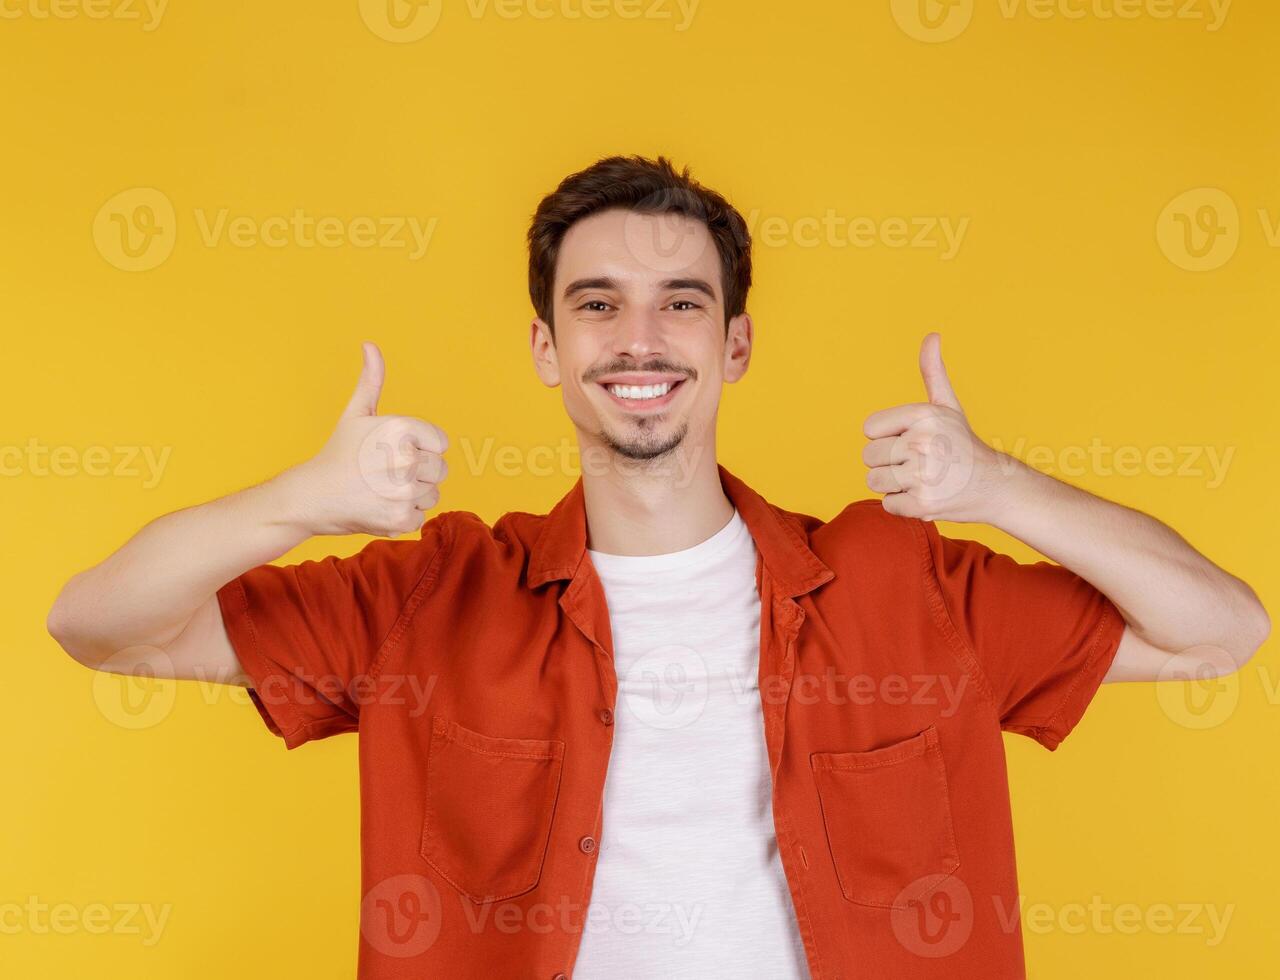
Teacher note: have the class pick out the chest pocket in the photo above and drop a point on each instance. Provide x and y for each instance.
(887, 815)
(489, 807)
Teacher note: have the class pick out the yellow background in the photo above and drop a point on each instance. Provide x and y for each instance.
(1060, 139)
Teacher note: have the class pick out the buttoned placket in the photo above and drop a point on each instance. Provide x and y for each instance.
(780, 633)
(583, 596)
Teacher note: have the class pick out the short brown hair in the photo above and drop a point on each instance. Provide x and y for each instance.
(647, 186)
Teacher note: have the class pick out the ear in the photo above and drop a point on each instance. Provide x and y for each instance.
(543, 347)
(737, 347)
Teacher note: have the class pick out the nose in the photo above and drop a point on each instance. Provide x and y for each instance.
(639, 334)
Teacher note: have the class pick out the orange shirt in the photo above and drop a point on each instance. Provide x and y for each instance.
(476, 665)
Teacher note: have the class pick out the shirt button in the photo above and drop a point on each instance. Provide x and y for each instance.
(587, 844)
(606, 716)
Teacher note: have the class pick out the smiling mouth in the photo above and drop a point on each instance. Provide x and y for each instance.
(649, 396)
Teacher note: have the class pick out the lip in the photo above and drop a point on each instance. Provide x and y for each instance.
(641, 404)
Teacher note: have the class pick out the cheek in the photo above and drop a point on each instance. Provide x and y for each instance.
(579, 347)
(577, 393)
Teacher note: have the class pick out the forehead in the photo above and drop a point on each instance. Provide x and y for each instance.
(637, 249)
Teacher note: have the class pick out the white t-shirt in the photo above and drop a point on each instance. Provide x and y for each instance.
(688, 881)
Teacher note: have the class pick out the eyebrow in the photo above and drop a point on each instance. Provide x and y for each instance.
(607, 282)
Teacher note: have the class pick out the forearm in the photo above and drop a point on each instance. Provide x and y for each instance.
(144, 594)
(1172, 596)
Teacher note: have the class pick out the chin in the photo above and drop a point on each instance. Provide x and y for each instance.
(656, 442)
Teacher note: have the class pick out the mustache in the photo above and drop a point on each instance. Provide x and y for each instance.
(655, 367)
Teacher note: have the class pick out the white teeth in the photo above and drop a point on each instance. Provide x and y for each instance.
(640, 391)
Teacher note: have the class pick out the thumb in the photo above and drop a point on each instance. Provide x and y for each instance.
(936, 383)
(364, 400)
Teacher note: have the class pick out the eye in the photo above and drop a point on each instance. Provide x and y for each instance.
(687, 304)
(595, 306)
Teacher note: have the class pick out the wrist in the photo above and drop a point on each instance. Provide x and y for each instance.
(288, 505)
(1019, 487)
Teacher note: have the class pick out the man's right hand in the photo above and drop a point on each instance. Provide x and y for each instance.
(151, 607)
(377, 474)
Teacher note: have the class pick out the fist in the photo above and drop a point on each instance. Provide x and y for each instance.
(377, 474)
(924, 457)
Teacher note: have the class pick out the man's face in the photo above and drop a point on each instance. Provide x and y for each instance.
(640, 346)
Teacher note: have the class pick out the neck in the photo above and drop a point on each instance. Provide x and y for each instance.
(656, 506)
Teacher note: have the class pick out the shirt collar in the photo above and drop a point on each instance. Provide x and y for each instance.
(561, 544)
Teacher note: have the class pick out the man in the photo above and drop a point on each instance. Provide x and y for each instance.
(670, 729)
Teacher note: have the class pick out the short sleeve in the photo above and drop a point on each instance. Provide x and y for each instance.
(310, 635)
(1042, 636)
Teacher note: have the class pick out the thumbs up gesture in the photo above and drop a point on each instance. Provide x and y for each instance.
(925, 458)
(377, 474)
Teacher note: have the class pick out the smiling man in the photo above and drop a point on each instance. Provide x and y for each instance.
(669, 729)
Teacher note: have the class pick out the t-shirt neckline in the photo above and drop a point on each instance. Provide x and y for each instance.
(699, 554)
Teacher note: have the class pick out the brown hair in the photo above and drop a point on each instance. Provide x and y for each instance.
(647, 186)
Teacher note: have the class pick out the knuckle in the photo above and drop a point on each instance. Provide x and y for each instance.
(431, 437)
